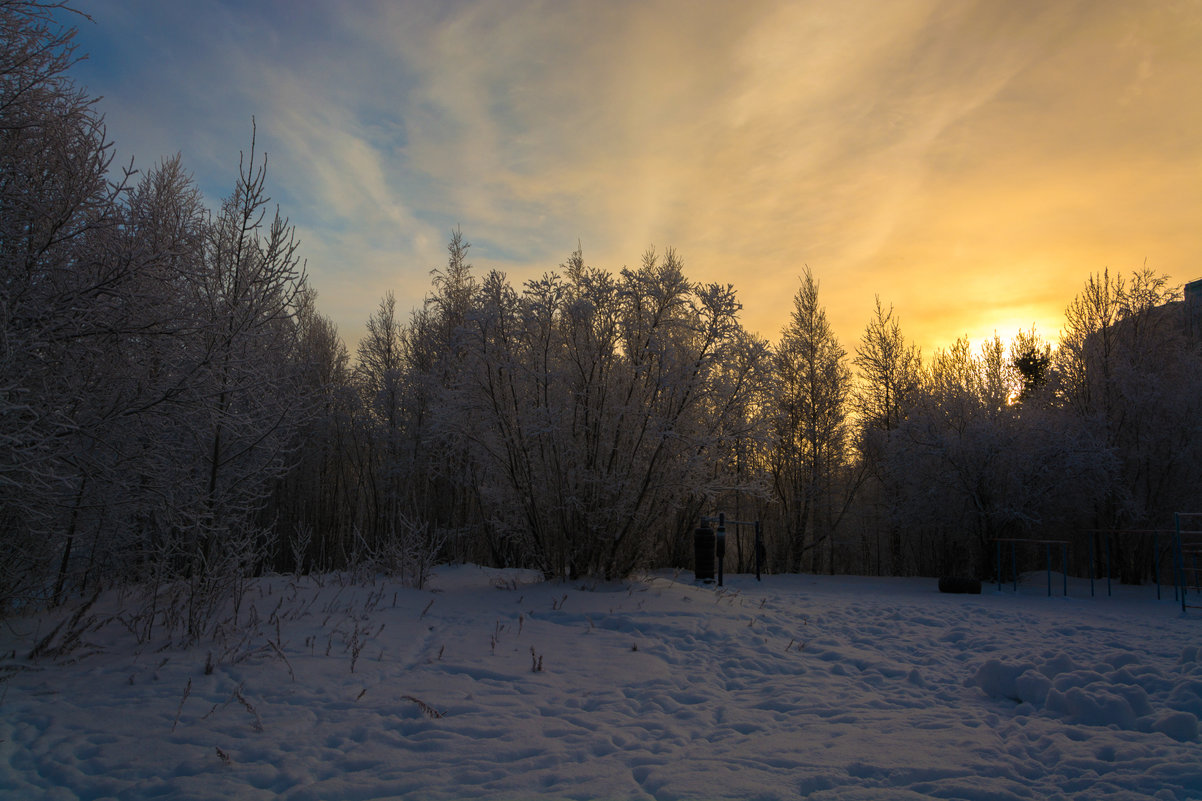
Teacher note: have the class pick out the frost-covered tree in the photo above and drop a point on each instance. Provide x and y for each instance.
(247, 394)
(60, 290)
(888, 377)
(390, 458)
(810, 428)
(136, 384)
(595, 404)
(312, 510)
(381, 364)
(966, 467)
(1031, 359)
(155, 361)
(1128, 369)
(382, 375)
(888, 370)
(412, 483)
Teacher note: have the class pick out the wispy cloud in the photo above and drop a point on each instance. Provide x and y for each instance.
(971, 162)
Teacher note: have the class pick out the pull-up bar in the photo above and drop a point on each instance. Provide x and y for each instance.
(1106, 534)
(1047, 544)
(1194, 549)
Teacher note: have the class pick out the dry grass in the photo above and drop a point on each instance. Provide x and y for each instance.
(425, 708)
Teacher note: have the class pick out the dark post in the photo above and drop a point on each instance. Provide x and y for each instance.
(703, 554)
(721, 543)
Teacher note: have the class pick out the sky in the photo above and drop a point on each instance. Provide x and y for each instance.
(970, 163)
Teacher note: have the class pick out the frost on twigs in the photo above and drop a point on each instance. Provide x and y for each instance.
(236, 695)
(67, 637)
(180, 709)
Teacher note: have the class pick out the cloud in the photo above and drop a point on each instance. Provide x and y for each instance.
(971, 162)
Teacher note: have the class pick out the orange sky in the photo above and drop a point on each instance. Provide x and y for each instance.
(971, 163)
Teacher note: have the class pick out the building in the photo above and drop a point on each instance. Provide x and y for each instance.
(1193, 308)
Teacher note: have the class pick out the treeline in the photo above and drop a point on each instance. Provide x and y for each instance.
(159, 362)
(176, 416)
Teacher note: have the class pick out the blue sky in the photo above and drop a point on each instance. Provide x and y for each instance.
(971, 163)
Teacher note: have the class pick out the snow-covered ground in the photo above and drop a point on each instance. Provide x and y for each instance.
(798, 686)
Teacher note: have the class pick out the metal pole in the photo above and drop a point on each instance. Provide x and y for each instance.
(1064, 566)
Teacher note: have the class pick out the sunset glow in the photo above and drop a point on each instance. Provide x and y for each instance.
(970, 163)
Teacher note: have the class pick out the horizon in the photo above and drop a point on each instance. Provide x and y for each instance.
(972, 165)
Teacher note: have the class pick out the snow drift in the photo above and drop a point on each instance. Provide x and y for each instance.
(493, 684)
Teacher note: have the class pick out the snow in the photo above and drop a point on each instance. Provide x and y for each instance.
(797, 686)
